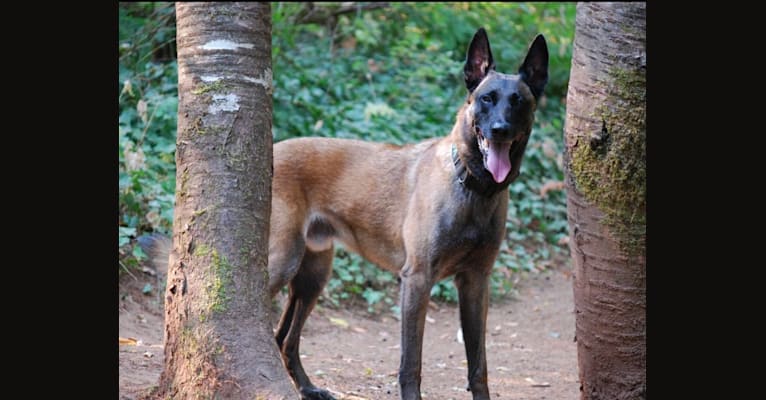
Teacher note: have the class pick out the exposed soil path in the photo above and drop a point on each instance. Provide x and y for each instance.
(531, 352)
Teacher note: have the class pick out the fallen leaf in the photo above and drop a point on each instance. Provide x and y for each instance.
(368, 371)
(128, 341)
(349, 395)
(550, 185)
(127, 87)
(549, 149)
(148, 355)
(430, 320)
(349, 43)
(339, 321)
(536, 384)
(359, 330)
(141, 108)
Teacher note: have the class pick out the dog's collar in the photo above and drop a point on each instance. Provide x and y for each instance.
(469, 181)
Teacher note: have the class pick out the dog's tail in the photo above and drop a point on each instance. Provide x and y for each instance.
(157, 248)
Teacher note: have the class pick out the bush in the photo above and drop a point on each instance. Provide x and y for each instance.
(148, 104)
(393, 75)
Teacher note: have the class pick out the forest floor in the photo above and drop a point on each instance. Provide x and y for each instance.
(531, 353)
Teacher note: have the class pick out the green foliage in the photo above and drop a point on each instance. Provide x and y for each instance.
(393, 75)
(148, 103)
(354, 277)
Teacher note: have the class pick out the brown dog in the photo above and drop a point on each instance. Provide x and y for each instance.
(427, 211)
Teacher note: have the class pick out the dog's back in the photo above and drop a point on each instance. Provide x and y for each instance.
(345, 189)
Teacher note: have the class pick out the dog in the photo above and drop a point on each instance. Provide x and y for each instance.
(425, 211)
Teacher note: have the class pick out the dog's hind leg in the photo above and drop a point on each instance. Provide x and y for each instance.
(305, 287)
(284, 263)
(473, 294)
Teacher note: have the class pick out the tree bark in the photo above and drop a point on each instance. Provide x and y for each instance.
(218, 337)
(605, 136)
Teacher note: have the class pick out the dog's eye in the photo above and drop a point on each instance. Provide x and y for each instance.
(486, 98)
(515, 99)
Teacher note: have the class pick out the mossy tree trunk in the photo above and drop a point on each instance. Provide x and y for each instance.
(218, 338)
(606, 197)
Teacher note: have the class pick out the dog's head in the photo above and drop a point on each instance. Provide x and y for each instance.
(501, 106)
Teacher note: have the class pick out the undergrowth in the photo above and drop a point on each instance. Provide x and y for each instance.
(391, 74)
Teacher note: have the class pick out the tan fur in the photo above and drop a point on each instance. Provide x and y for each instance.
(403, 209)
(427, 211)
(365, 191)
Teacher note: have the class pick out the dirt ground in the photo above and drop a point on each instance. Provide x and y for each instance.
(531, 354)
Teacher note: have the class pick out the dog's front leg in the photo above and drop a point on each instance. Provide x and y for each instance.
(415, 292)
(473, 295)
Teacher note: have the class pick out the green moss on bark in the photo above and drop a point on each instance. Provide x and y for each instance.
(216, 288)
(196, 346)
(610, 171)
(216, 86)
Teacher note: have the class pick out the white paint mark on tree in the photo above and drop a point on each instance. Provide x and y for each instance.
(221, 44)
(263, 80)
(224, 102)
(210, 78)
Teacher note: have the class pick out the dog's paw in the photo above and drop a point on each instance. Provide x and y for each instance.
(314, 393)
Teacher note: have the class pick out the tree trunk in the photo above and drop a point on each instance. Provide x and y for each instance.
(218, 337)
(606, 197)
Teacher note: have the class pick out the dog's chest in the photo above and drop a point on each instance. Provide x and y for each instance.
(467, 227)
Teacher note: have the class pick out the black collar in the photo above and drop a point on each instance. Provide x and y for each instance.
(469, 181)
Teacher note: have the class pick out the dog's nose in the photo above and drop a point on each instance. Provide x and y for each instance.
(500, 128)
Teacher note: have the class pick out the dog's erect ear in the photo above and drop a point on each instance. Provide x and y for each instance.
(478, 61)
(534, 70)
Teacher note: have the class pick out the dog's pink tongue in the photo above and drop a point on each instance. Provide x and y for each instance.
(498, 160)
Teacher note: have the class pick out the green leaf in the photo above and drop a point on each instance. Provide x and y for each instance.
(147, 289)
(372, 296)
(127, 231)
(138, 253)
